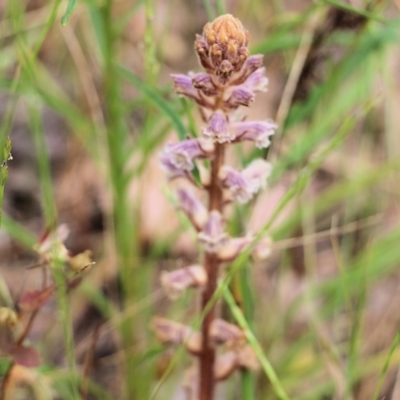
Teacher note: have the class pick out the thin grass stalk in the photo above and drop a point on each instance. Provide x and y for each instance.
(265, 364)
(57, 268)
(122, 219)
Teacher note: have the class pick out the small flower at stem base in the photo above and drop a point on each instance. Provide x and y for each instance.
(176, 282)
(213, 237)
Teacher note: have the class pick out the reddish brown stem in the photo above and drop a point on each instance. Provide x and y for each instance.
(207, 357)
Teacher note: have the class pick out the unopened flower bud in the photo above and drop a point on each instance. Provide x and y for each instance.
(222, 48)
(81, 261)
(213, 236)
(222, 332)
(8, 317)
(175, 282)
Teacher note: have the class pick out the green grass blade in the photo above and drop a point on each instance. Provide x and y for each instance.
(70, 9)
(266, 365)
(154, 98)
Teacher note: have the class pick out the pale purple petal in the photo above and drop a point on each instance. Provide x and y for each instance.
(183, 85)
(192, 207)
(170, 169)
(233, 248)
(203, 82)
(256, 131)
(257, 81)
(213, 236)
(181, 155)
(241, 188)
(257, 173)
(251, 64)
(176, 282)
(217, 128)
(239, 96)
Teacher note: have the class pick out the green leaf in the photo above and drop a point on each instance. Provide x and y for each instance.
(70, 9)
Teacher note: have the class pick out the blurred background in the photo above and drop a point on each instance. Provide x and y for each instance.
(86, 98)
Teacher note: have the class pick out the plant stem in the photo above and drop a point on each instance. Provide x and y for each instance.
(207, 357)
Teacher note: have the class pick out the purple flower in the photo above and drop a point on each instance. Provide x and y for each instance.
(239, 186)
(256, 173)
(183, 85)
(243, 185)
(256, 131)
(257, 81)
(213, 236)
(233, 248)
(239, 96)
(203, 82)
(193, 208)
(170, 169)
(180, 156)
(217, 128)
(251, 64)
(176, 282)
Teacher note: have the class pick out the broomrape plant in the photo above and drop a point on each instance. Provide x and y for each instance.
(230, 80)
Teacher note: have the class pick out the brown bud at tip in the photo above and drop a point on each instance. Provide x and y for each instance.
(223, 47)
(8, 317)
